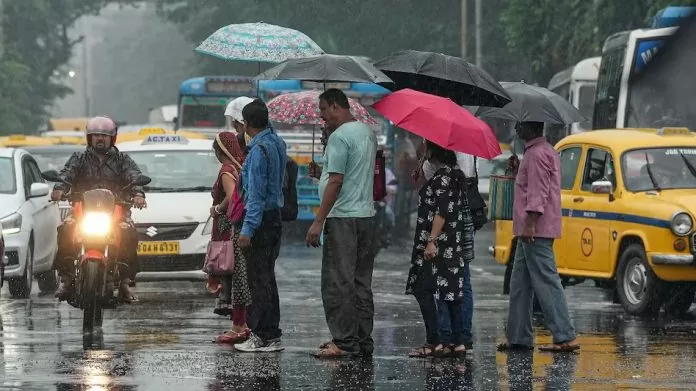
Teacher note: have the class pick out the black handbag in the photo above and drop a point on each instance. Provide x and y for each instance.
(477, 204)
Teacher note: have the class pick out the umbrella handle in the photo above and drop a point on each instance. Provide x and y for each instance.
(313, 134)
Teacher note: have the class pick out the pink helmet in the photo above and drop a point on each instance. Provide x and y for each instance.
(101, 125)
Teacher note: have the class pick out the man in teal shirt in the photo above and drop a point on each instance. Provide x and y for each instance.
(347, 217)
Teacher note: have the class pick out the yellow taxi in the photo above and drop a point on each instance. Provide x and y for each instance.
(66, 137)
(629, 201)
(22, 140)
(145, 132)
(74, 124)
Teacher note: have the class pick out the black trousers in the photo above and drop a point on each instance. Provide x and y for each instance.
(67, 251)
(428, 307)
(346, 282)
(264, 311)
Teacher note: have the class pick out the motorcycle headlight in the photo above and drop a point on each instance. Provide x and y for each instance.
(11, 224)
(208, 227)
(682, 224)
(95, 224)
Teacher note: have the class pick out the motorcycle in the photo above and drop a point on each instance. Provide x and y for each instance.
(98, 218)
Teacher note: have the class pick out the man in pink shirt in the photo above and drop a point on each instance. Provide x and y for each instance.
(537, 223)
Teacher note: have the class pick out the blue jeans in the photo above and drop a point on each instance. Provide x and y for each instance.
(534, 273)
(467, 312)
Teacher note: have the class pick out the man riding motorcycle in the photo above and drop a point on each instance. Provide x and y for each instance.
(100, 166)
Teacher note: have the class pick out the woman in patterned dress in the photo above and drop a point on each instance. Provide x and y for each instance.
(443, 244)
(235, 295)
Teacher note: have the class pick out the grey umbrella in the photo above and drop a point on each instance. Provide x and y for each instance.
(443, 75)
(533, 104)
(327, 68)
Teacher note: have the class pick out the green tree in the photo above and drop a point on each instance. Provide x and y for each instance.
(551, 35)
(36, 44)
(356, 27)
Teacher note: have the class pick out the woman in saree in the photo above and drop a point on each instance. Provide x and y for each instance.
(235, 296)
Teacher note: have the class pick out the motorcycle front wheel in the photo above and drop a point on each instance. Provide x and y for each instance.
(92, 287)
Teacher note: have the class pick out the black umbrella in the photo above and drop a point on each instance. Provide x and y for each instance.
(533, 104)
(442, 75)
(327, 68)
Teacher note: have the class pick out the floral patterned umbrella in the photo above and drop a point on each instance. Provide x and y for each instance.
(259, 42)
(302, 108)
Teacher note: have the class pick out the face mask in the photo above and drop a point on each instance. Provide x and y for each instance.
(428, 170)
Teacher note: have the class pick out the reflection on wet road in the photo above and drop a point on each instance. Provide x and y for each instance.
(165, 342)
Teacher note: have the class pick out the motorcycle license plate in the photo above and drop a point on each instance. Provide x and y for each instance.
(158, 248)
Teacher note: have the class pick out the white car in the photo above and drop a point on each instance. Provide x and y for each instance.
(29, 223)
(174, 229)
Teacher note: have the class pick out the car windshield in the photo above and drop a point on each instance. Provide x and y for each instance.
(659, 168)
(178, 171)
(496, 166)
(51, 160)
(7, 176)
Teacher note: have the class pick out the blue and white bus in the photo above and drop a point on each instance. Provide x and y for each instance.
(625, 55)
(302, 140)
(202, 101)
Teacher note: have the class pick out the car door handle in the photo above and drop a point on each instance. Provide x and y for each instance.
(578, 199)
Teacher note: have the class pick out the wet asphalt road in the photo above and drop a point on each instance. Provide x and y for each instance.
(165, 341)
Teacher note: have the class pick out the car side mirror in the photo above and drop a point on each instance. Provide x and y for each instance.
(39, 190)
(603, 187)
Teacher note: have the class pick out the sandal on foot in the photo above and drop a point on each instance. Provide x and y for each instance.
(505, 346)
(563, 347)
(425, 351)
(457, 353)
(332, 351)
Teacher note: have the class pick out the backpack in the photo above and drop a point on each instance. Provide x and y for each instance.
(289, 210)
(477, 205)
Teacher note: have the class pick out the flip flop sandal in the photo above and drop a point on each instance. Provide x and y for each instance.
(332, 351)
(512, 346)
(231, 337)
(423, 351)
(458, 353)
(129, 299)
(560, 348)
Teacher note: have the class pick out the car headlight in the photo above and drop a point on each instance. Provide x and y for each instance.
(208, 227)
(95, 224)
(11, 224)
(681, 224)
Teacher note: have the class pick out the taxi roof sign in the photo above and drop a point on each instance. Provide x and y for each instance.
(166, 139)
(674, 131)
(146, 131)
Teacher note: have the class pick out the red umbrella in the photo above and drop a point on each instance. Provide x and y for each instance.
(441, 121)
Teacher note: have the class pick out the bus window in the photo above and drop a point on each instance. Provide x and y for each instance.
(564, 91)
(209, 116)
(586, 100)
(608, 87)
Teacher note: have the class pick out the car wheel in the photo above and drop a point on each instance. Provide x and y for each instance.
(48, 282)
(21, 287)
(679, 300)
(638, 287)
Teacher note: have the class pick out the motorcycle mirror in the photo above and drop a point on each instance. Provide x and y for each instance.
(51, 176)
(142, 180)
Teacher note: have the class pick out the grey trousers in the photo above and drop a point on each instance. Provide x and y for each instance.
(346, 282)
(534, 273)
